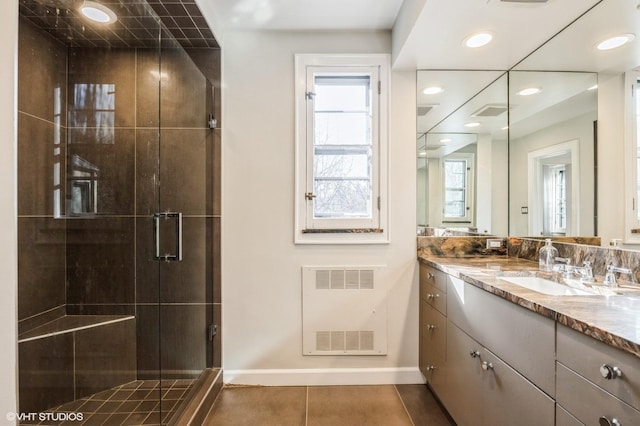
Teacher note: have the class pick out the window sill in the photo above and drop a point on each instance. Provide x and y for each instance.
(344, 231)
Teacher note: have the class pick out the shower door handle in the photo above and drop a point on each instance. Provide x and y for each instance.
(177, 217)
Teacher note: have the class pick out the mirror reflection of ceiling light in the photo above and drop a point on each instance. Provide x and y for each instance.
(473, 124)
(505, 128)
(423, 153)
(616, 41)
(529, 91)
(432, 90)
(98, 12)
(594, 87)
(445, 140)
(478, 40)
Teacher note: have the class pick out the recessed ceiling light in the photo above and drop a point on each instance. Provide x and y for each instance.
(432, 90)
(478, 40)
(529, 91)
(616, 41)
(474, 124)
(445, 140)
(98, 12)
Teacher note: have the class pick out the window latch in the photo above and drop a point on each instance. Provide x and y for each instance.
(309, 95)
(309, 196)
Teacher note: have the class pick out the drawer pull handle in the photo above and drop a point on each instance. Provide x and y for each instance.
(430, 276)
(606, 422)
(433, 296)
(486, 365)
(431, 327)
(610, 372)
(431, 368)
(474, 353)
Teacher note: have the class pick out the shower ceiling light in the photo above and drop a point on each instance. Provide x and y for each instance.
(474, 124)
(478, 40)
(529, 91)
(98, 12)
(616, 41)
(432, 90)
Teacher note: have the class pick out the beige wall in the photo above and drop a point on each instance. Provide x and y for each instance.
(8, 210)
(261, 265)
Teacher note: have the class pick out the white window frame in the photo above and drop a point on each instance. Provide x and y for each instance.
(631, 221)
(341, 231)
(469, 218)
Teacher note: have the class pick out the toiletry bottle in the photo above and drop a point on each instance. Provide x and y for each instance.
(548, 254)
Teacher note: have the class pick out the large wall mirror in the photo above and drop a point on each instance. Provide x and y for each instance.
(564, 106)
(462, 151)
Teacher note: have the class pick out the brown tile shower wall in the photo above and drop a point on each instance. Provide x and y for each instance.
(42, 63)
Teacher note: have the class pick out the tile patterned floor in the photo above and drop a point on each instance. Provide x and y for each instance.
(385, 405)
(135, 403)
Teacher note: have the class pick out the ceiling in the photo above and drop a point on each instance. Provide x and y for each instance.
(427, 33)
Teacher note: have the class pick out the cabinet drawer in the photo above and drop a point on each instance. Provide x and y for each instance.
(586, 356)
(588, 403)
(435, 334)
(436, 298)
(523, 339)
(431, 276)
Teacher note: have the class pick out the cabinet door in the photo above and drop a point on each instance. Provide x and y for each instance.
(522, 338)
(563, 418)
(509, 398)
(461, 391)
(434, 341)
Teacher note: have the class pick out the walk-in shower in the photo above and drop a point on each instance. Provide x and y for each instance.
(118, 210)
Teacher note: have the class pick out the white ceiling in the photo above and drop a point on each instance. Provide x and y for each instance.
(432, 30)
(306, 14)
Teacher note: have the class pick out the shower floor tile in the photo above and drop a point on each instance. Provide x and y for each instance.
(135, 403)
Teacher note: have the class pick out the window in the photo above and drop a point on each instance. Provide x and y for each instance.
(457, 177)
(341, 143)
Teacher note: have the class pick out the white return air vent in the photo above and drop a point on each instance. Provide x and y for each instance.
(344, 311)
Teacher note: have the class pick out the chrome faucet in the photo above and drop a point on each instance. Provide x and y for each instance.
(563, 264)
(610, 277)
(585, 272)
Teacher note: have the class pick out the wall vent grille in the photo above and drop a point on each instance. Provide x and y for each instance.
(349, 321)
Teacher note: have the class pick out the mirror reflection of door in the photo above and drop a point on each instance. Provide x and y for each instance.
(554, 190)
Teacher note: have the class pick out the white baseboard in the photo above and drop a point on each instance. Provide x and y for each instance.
(324, 376)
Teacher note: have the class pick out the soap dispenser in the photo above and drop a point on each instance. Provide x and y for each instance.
(548, 254)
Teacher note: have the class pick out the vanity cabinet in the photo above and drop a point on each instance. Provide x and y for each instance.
(433, 323)
(596, 382)
(478, 352)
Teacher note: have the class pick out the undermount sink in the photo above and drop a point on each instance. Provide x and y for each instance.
(545, 286)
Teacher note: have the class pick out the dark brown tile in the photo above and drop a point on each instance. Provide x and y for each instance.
(90, 406)
(147, 341)
(186, 189)
(41, 265)
(183, 97)
(148, 85)
(116, 420)
(42, 65)
(365, 405)
(46, 373)
(217, 340)
(100, 261)
(101, 88)
(96, 419)
(147, 171)
(422, 406)
(217, 171)
(105, 357)
(101, 171)
(263, 406)
(217, 260)
(184, 326)
(41, 167)
(136, 419)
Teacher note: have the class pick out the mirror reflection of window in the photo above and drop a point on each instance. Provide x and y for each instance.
(457, 179)
(555, 199)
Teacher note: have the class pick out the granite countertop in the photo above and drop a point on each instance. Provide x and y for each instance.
(613, 319)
